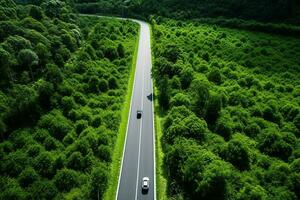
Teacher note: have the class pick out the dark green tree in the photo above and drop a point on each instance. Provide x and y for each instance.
(99, 180)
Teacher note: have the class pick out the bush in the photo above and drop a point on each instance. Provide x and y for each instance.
(56, 123)
(13, 164)
(104, 153)
(273, 144)
(75, 161)
(42, 189)
(186, 77)
(99, 178)
(215, 76)
(65, 180)
(27, 177)
(43, 164)
(224, 127)
(103, 85)
(238, 154)
(180, 99)
(36, 12)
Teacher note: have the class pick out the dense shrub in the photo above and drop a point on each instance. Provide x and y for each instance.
(66, 179)
(60, 99)
(245, 136)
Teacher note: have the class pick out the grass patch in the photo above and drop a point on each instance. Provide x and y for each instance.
(119, 146)
(161, 182)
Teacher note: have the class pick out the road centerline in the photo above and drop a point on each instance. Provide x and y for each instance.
(140, 137)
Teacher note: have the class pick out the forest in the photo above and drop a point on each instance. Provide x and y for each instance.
(287, 11)
(230, 106)
(63, 78)
(226, 76)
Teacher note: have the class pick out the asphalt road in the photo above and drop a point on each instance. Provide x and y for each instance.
(138, 158)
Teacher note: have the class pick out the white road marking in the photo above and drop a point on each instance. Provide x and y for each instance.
(141, 124)
(124, 148)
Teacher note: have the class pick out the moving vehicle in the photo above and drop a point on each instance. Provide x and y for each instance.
(139, 114)
(145, 184)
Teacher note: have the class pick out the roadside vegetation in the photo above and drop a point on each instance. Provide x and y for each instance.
(231, 111)
(63, 82)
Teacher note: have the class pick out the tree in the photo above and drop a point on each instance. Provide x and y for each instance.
(180, 99)
(237, 154)
(99, 182)
(213, 108)
(69, 42)
(53, 74)
(215, 76)
(196, 128)
(13, 192)
(27, 177)
(201, 92)
(252, 192)
(103, 85)
(213, 184)
(65, 180)
(5, 71)
(13, 44)
(121, 51)
(163, 93)
(104, 153)
(273, 144)
(53, 8)
(294, 183)
(36, 13)
(224, 126)
(68, 104)
(56, 123)
(172, 52)
(42, 189)
(43, 53)
(297, 122)
(75, 161)
(28, 58)
(45, 91)
(43, 164)
(186, 77)
(113, 83)
(94, 84)
(13, 163)
(23, 106)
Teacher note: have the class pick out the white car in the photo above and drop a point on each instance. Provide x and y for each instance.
(145, 184)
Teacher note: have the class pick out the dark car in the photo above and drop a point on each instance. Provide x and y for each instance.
(139, 114)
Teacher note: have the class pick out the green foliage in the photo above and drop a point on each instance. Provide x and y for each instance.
(99, 181)
(215, 76)
(59, 113)
(231, 131)
(42, 189)
(66, 179)
(56, 123)
(237, 154)
(36, 12)
(43, 164)
(27, 177)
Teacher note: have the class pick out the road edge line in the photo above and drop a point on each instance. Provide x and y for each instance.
(153, 114)
(129, 114)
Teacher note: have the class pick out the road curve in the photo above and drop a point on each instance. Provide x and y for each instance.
(139, 151)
